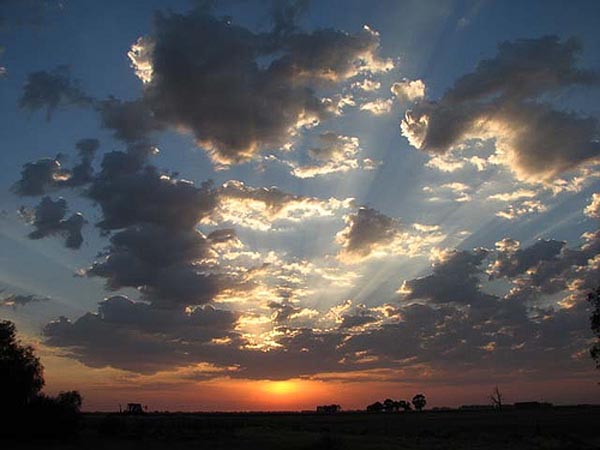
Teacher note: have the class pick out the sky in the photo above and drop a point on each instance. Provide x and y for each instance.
(269, 205)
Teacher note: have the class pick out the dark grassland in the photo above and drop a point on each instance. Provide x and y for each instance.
(552, 428)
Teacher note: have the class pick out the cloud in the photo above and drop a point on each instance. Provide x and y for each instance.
(369, 233)
(367, 85)
(38, 176)
(131, 121)
(503, 100)
(240, 92)
(48, 219)
(48, 174)
(593, 209)
(461, 192)
(377, 107)
(455, 279)
(334, 154)
(408, 90)
(122, 328)
(52, 90)
(259, 208)
(522, 208)
(19, 300)
(512, 261)
(514, 195)
(444, 321)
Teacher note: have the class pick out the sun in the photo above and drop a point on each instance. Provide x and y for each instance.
(280, 387)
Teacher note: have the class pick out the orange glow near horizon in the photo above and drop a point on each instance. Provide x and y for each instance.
(104, 389)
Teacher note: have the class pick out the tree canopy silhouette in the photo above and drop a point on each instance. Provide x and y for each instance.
(419, 402)
(21, 383)
(21, 373)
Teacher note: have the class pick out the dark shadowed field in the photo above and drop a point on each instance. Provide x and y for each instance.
(553, 428)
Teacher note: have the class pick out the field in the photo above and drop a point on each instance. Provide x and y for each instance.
(552, 428)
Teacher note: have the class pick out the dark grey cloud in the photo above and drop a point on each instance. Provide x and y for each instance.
(130, 121)
(512, 260)
(48, 174)
(458, 329)
(52, 90)
(455, 279)
(357, 320)
(38, 176)
(83, 172)
(48, 219)
(128, 196)
(369, 232)
(505, 98)
(578, 267)
(367, 228)
(19, 300)
(240, 92)
(123, 328)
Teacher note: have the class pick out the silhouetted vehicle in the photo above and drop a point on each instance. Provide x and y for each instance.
(419, 402)
(375, 407)
(329, 409)
(134, 409)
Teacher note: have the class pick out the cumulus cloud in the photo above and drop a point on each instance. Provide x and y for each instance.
(512, 260)
(522, 208)
(444, 321)
(369, 233)
(205, 75)
(19, 300)
(258, 208)
(334, 154)
(47, 174)
(455, 279)
(123, 328)
(38, 176)
(503, 100)
(377, 107)
(408, 90)
(48, 219)
(593, 209)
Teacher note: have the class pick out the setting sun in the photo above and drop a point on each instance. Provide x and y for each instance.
(280, 388)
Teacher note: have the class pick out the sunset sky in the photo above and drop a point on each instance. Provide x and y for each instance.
(269, 205)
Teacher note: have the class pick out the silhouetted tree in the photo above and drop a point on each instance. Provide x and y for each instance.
(31, 414)
(375, 407)
(389, 405)
(497, 398)
(419, 402)
(403, 404)
(21, 373)
(594, 299)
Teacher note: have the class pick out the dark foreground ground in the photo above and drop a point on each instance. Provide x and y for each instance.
(555, 428)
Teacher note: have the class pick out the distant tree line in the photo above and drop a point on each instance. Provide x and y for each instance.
(27, 410)
(388, 405)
